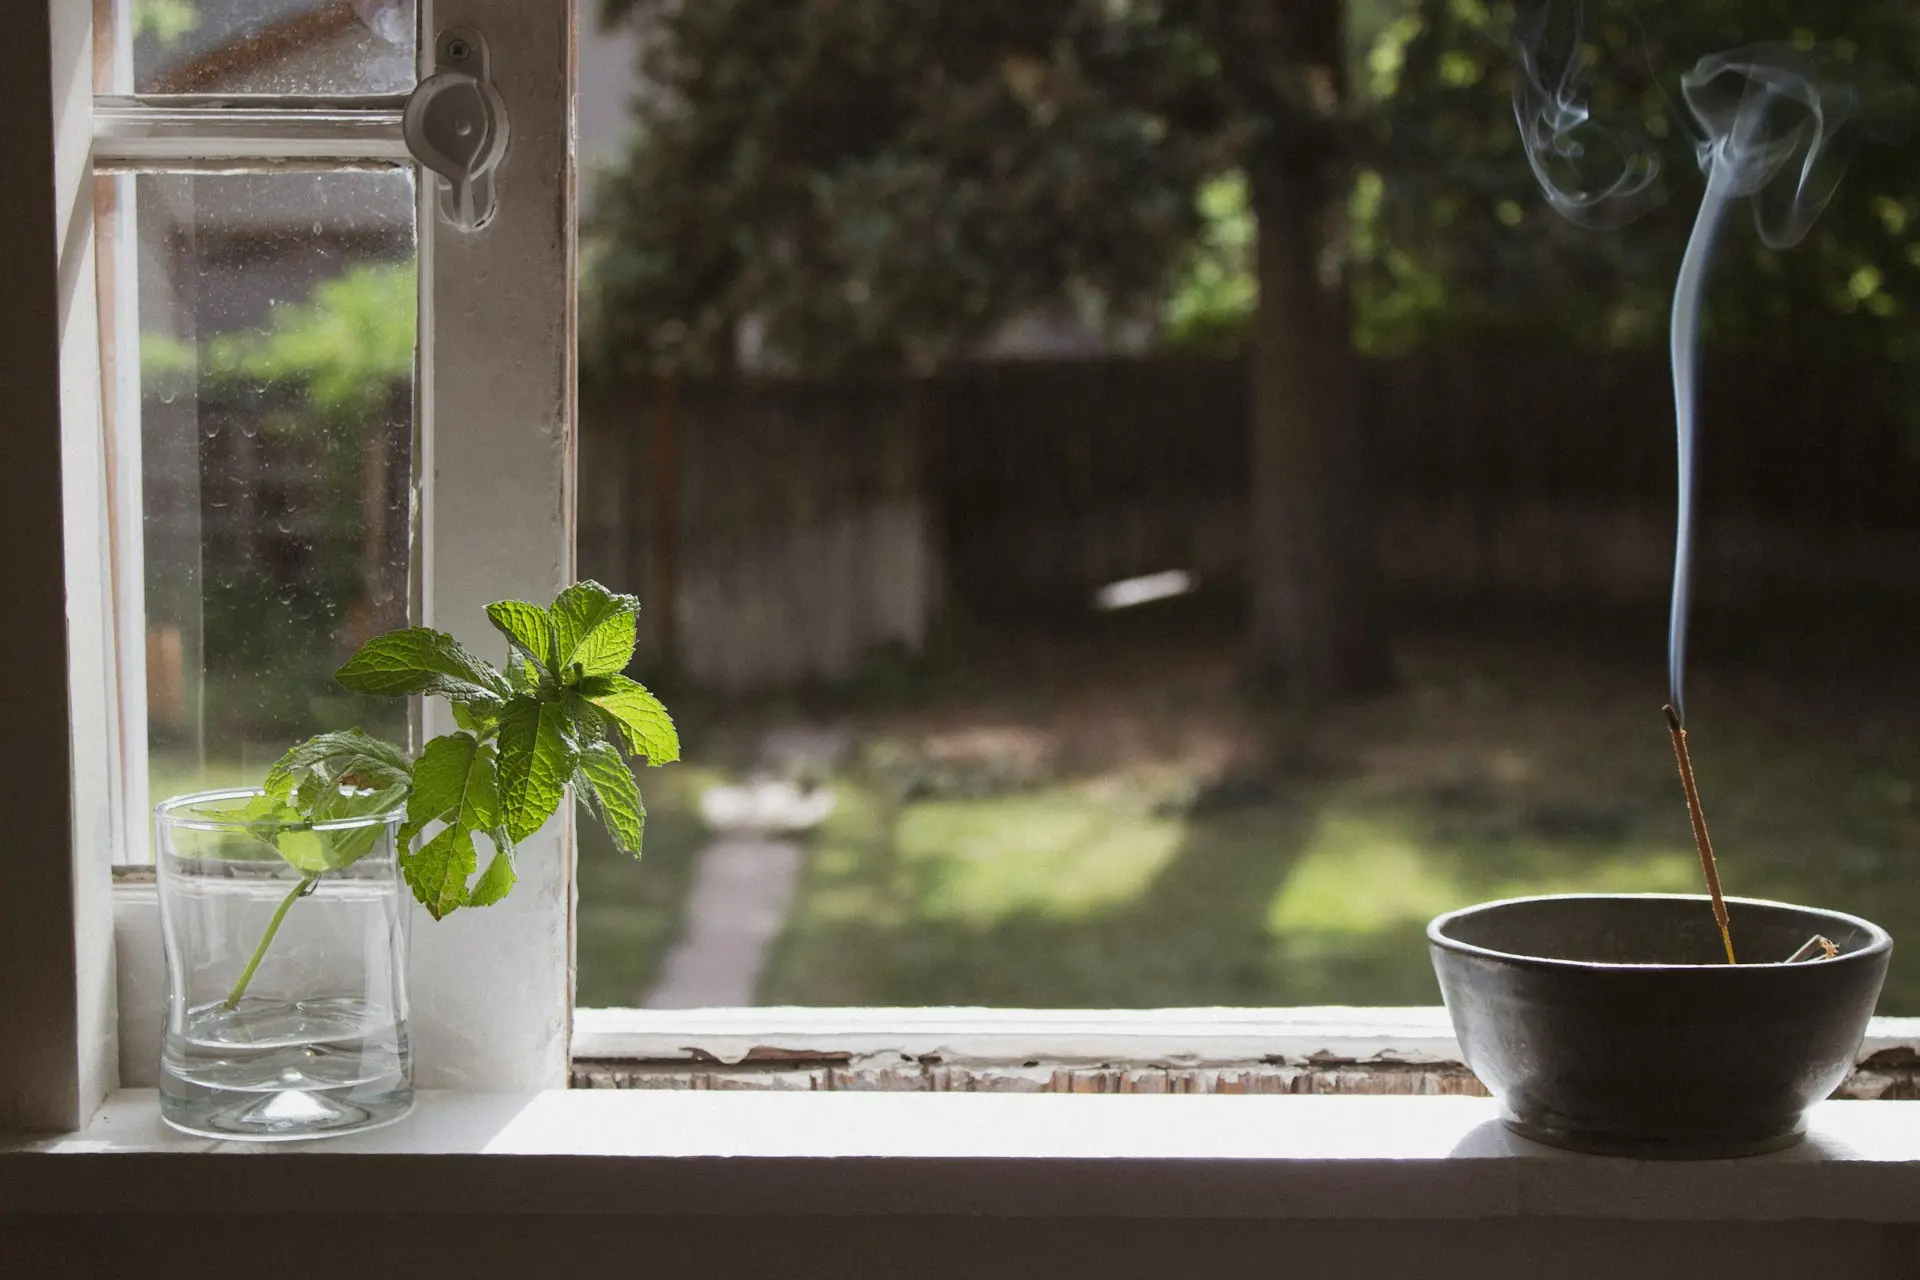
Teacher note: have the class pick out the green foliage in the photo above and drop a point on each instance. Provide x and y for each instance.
(349, 344)
(456, 783)
(1456, 237)
(1215, 293)
(524, 734)
(608, 787)
(867, 184)
(322, 383)
(165, 22)
(874, 185)
(420, 660)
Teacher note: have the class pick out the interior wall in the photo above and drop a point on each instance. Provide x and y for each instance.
(935, 1248)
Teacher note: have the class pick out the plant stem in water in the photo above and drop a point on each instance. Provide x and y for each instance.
(300, 890)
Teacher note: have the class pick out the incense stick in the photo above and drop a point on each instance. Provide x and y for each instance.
(1699, 819)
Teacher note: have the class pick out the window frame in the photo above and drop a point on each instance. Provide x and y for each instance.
(494, 463)
(493, 1006)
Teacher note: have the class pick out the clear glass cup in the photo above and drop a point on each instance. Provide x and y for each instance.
(286, 948)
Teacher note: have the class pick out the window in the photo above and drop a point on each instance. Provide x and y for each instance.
(846, 530)
(925, 358)
(326, 411)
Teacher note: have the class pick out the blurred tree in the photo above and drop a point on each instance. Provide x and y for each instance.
(166, 21)
(1470, 245)
(846, 184)
(323, 380)
(832, 185)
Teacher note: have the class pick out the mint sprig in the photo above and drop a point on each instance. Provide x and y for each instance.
(559, 713)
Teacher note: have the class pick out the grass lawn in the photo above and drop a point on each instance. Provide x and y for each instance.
(1132, 832)
(628, 914)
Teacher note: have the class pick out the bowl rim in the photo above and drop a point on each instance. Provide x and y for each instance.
(1880, 942)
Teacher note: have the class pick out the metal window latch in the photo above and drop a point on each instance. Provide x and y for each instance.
(456, 126)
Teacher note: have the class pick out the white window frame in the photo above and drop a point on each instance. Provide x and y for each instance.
(80, 965)
(492, 992)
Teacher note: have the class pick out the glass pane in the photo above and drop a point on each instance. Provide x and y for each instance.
(276, 317)
(260, 46)
(985, 439)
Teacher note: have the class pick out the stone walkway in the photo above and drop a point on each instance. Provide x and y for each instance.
(746, 878)
(742, 889)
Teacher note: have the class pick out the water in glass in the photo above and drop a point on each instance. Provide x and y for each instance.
(286, 977)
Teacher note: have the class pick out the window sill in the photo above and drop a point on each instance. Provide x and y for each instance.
(870, 1154)
(1194, 1050)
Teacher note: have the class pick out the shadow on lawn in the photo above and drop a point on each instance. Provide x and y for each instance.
(1313, 886)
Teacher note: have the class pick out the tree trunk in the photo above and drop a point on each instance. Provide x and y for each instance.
(1317, 630)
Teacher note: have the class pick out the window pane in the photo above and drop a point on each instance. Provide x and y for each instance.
(262, 46)
(276, 318)
(1113, 536)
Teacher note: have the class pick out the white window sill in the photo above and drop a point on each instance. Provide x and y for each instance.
(679, 1153)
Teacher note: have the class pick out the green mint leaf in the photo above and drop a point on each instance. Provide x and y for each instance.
(607, 648)
(528, 677)
(494, 882)
(480, 803)
(263, 809)
(590, 723)
(439, 782)
(644, 723)
(438, 871)
(526, 627)
(478, 719)
(614, 795)
(537, 757)
(369, 761)
(341, 849)
(329, 778)
(455, 782)
(344, 846)
(419, 660)
(594, 629)
(303, 848)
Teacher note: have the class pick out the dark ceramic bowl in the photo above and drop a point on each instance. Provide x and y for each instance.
(1611, 1023)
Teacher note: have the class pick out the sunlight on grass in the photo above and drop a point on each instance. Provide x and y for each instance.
(1360, 875)
(1363, 874)
(1659, 871)
(1055, 853)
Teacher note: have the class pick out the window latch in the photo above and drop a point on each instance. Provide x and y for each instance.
(456, 126)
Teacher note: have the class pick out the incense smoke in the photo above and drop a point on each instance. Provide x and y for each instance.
(1774, 135)
(1772, 130)
(1596, 174)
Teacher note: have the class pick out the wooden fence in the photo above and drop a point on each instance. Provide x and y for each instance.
(794, 526)
(777, 532)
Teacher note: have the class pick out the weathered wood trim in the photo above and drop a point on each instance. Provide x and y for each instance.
(1874, 1080)
(929, 1077)
(1192, 1037)
(1296, 1051)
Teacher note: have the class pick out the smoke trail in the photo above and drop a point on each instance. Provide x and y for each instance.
(1595, 174)
(1774, 132)
(1774, 120)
